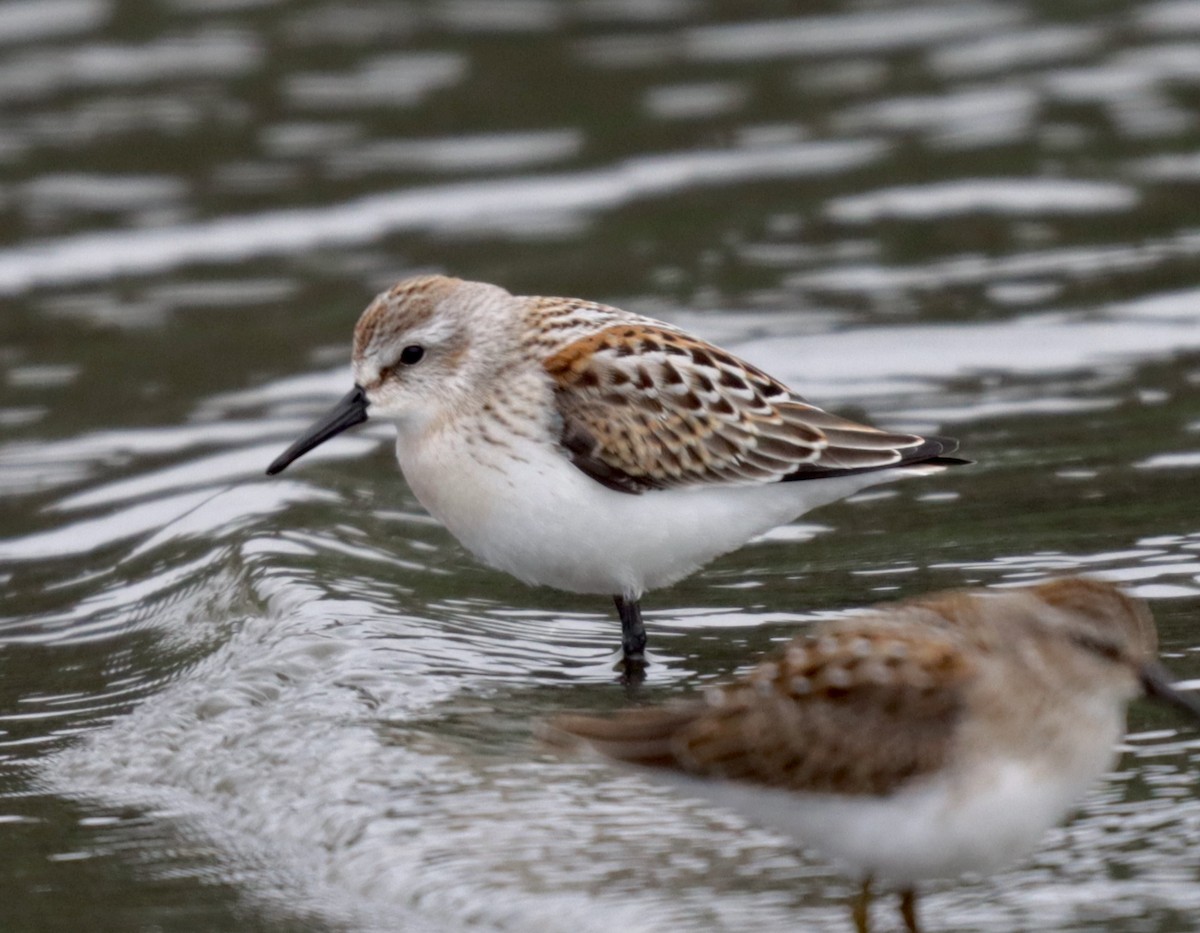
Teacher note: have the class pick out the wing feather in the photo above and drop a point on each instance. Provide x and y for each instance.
(644, 406)
(854, 709)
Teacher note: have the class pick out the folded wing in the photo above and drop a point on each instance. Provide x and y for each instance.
(647, 407)
(856, 711)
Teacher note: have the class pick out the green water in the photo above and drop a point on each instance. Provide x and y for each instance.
(228, 703)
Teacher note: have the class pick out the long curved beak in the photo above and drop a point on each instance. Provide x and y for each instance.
(349, 411)
(1157, 683)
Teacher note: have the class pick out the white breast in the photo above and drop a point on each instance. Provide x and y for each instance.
(526, 509)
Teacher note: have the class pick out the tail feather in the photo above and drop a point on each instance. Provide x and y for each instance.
(637, 736)
(929, 453)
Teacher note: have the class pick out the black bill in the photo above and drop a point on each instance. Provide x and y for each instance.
(349, 411)
(1158, 684)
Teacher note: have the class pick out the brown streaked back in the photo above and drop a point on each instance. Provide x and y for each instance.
(644, 406)
(865, 703)
(856, 710)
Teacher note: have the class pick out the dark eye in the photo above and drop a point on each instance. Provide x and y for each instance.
(411, 355)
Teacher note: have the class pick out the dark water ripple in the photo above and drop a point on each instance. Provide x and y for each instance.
(227, 701)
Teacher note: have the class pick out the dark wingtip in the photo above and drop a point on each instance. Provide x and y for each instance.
(930, 452)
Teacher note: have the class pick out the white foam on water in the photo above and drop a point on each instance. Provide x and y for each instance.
(27, 21)
(130, 521)
(905, 359)
(1019, 197)
(297, 747)
(862, 32)
(91, 256)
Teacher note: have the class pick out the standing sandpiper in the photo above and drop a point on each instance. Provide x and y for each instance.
(923, 739)
(586, 448)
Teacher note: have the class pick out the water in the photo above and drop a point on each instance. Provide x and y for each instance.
(231, 703)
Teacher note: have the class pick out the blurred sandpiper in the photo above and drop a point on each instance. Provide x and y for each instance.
(586, 448)
(920, 740)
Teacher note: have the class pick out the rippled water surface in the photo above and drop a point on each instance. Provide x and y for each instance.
(232, 703)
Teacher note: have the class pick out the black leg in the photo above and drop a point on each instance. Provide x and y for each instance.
(908, 910)
(633, 643)
(861, 907)
(633, 633)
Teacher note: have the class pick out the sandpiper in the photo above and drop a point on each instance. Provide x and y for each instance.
(920, 740)
(590, 449)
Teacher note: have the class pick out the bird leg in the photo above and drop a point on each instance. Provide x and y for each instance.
(908, 910)
(861, 907)
(633, 637)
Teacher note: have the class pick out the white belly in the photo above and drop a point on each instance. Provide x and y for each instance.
(931, 829)
(988, 807)
(545, 522)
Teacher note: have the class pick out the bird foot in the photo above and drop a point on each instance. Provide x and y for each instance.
(631, 669)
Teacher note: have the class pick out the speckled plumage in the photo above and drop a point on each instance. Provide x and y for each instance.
(592, 449)
(916, 740)
(861, 705)
(646, 407)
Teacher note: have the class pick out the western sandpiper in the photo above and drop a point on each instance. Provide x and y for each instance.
(920, 740)
(583, 447)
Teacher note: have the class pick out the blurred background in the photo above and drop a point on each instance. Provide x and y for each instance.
(233, 703)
